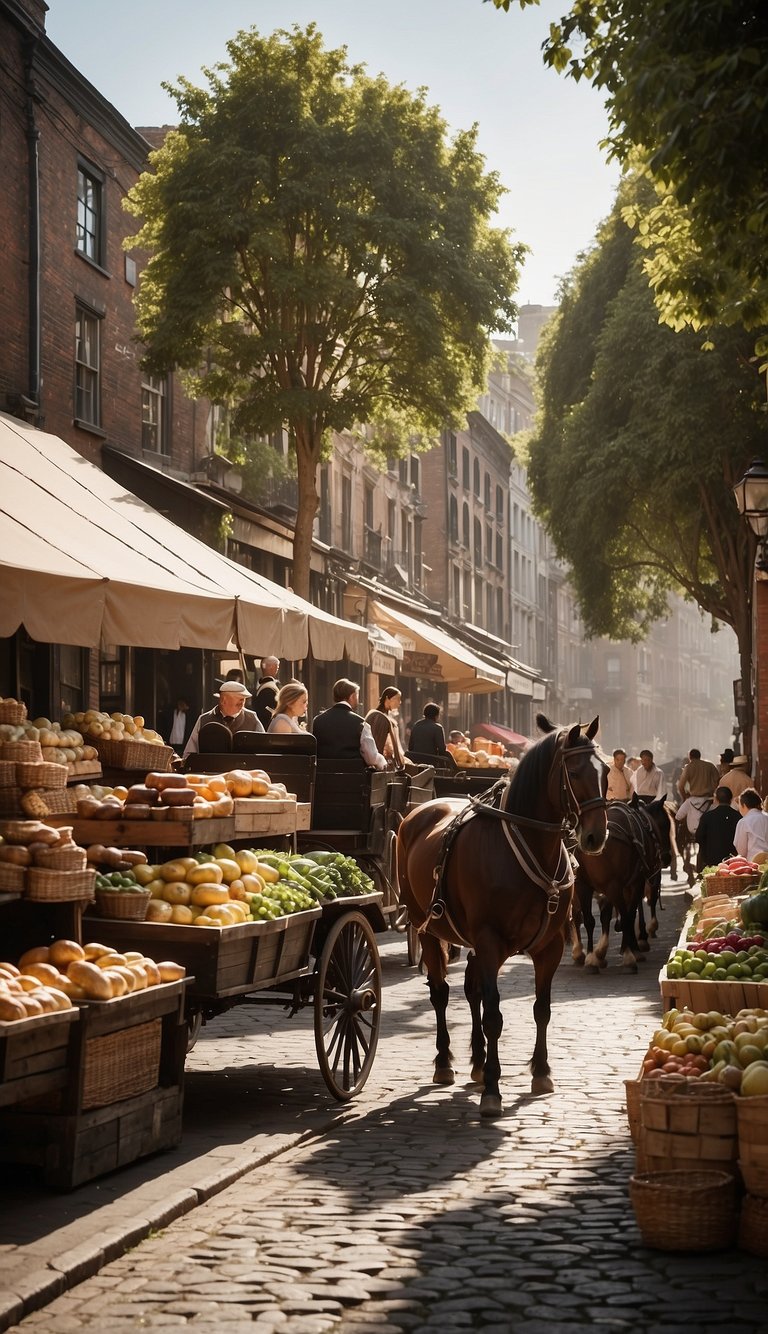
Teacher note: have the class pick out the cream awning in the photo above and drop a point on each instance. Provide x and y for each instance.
(459, 668)
(83, 561)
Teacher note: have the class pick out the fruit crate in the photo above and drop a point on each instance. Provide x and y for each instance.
(34, 1056)
(220, 961)
(727, 997)
(123, 1095)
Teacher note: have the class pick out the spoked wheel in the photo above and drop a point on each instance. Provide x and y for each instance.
(347, 1005)
(194, 1024)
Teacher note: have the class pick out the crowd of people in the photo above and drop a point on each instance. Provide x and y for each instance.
(718, 807)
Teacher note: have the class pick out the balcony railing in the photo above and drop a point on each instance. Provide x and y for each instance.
(372, 543)
(279, 493)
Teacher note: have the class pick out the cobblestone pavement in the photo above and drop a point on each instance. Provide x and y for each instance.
(406, 1212)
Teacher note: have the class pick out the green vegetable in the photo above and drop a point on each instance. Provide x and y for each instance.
(755, 909)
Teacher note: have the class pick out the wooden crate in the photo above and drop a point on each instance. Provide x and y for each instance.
(179, 832)
(727, 997)
(34, 1056)
(266, 816)
(220, 961)
(74, 1140)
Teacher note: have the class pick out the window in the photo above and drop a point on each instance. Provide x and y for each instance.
(499, 552)
(154, 434)
(416, 474)
(87, 367)
(489, 544)
(487, 491)
(456, 591)
(499, 505)
(368, 506)
(465, 525)
(324, 517)
(499, 612)
(391, 511)
(453, 511)
(476, 477)
(478, 532)
(346, 514)
(90, 215)
(465, 469)
(452, 464)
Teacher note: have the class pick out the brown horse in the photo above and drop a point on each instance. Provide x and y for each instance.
(498, 879)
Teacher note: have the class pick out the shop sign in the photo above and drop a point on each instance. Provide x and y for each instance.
(539, 690)
(408, 644)
(520, 685)
(422, 664)
(382, 663)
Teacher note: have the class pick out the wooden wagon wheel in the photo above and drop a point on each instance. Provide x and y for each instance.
(347, 1005)
(194, 1024)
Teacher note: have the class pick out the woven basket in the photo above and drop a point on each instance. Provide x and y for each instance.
(13, 879)
(7, 773)
(729, 884)
(753, 1226)
(41, 775)
(60, 802)
(59, 886)
(752, 1119)
(685, 1210)
(129, 906)
(12, 711)
(139, 755)
(684, 1123)
(21, 752)
(122, 1064)
(632, 1091)
(62, 859)
(9, 800)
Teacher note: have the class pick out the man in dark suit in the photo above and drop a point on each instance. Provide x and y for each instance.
(427, 735)
(716, 829)
(342, 733)
(265, 699)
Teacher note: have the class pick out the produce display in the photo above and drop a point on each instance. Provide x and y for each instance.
(174, 795)
(728, 940)
(737, 866)
(51, 977)
(112, 726)
(61, 743)
(479, 758)
(226, 887)
(714, 1047)
(30, 847)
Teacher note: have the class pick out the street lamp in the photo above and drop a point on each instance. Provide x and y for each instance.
(751, 494)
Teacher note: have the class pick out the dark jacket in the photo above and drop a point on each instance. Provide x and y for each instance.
(715, 835)
(338, 731)
(265, 699)
(427, 737)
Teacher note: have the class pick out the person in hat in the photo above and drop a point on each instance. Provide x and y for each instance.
(737, 778)
(230, 712)
(726, 760)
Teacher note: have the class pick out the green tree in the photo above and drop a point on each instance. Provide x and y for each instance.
(640, 438)
(686, 84)
(320, 254)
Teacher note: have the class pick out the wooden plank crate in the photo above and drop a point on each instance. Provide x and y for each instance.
(124, 1095)
(34, 1056)
(701, 995)
(220, 961)
(264, 817)
(178, 832)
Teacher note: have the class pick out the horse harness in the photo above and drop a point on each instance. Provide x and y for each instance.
(491, 803)
(638, 833)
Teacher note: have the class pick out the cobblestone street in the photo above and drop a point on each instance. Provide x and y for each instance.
(405, 1211)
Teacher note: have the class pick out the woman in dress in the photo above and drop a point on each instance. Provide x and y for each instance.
(384, 728)
(292, 701)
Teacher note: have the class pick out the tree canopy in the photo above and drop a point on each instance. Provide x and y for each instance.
(321, 254)
(640, 438)
(686, 84)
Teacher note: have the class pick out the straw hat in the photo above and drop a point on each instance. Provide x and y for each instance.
(740, 761)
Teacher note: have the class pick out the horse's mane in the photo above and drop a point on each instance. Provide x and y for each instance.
(531, 774)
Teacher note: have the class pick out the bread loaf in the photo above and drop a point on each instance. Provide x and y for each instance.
(40, 954)
(95, 985)
(163, 781)
(63, 952)
(170, 971)
(11, 1009)
(177, 796)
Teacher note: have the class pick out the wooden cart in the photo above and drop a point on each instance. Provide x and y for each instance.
(326, 957)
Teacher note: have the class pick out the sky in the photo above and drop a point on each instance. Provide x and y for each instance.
(539, 131)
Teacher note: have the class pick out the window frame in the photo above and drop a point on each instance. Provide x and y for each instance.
(88, 313)
(158, 387)
(97, 180)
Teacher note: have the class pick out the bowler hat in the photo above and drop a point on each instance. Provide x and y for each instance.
(233, 688)
(727, 756)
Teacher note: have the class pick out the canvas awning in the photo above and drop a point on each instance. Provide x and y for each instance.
(448, 660)
(495, 732)
(83, 562)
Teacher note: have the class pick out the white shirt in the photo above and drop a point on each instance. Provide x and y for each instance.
(178, 726)
(751, 834)
(692, 810)
(369, 749)
(649, 782)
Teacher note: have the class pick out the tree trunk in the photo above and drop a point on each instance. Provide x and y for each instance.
(308, 447)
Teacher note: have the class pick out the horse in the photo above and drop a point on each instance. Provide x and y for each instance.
(627, 870)
(493, 873)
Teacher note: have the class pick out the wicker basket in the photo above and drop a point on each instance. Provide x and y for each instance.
(685, 1210)
(59, 886)
(753, 1226)
(7, 773)
(60, 802)
(9, 800)
(684, 1123)
(121, 1064)
(632, 1090)
(752, 1119)
(138, 755)
(21, 752)
(41, 775)
(12, 711)
(13, 879)
(128, 906)
(62, 859)
(729, 884)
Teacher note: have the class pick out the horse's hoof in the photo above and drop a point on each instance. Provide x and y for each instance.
(445, 1075)
(603, 963)
(629, 967)
(542, 1084)
(579, 963)
(643, 947)
(490, 1104)
(591, 968)
(478, 1074)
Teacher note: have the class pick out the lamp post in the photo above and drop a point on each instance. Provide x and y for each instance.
(751, 493)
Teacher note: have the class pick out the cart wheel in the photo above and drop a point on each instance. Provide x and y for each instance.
(414, 947)
(194, 1024)
(347, 1005)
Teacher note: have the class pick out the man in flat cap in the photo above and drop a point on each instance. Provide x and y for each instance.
(230, 713)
